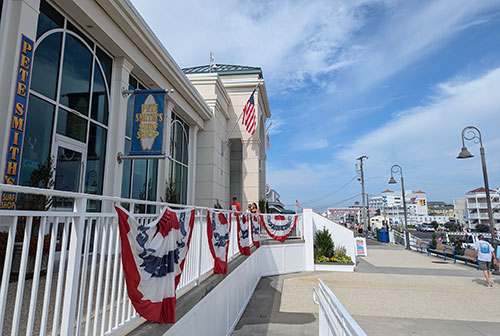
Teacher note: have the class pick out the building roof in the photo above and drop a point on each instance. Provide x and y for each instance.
(419, 192)
(479, 190)
(224, 69)
(387, 190)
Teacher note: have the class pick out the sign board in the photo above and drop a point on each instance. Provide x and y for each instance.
(147, 123)
(361, 246)
(11, 176)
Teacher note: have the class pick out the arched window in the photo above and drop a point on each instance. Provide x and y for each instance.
(68, 107)
(179, 158)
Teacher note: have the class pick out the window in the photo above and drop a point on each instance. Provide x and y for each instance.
(68, 99)
(179, 158)
(139, 179)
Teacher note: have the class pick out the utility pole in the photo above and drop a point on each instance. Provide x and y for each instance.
(363, 211)
(368, 212)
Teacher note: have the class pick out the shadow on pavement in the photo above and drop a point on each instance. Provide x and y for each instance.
(264, 307)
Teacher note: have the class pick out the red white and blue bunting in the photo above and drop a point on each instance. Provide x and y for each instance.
(153, 259)
(244, 241)
(255, 220)
(218, 230)
(279, 227)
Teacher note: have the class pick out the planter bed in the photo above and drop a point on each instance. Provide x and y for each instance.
(334, 267)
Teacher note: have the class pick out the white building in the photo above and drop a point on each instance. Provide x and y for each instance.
(343, 215)
(377, 222)
(477, 210)
(390, 204)
(63, 67)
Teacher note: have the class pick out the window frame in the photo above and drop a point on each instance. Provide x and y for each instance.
(64, 31)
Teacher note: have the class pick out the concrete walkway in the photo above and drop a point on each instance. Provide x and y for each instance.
(392, 292)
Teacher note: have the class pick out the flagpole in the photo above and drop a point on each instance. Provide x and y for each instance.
(268, 127)
(237, 120)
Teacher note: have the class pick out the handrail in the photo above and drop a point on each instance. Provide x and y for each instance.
(88, 286)
(333, 317)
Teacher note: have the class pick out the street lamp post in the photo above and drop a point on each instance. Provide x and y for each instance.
(473, 133)
(397, 169)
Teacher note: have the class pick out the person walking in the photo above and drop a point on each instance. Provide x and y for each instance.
(235, 205)
(483, 255)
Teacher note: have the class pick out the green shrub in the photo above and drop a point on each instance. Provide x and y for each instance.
(434, 239)
(323, 243)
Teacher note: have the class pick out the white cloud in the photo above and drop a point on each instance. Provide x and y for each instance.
(425, 140)
(311, 143)
(299, 41)
(412, 32)
(292, 41)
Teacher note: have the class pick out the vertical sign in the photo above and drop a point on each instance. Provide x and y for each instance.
(18, 121)
(147, 125)
(361, 246)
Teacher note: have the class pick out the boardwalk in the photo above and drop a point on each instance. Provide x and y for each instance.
(392, 292)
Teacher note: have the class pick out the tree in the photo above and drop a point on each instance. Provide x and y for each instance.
(323, 243)
(451, 226)
(482, 227)
(434, 225)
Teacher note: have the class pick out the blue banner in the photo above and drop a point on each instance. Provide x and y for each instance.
(147, 123)
(8, 200)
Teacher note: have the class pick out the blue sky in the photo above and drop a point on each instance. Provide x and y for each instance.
(394, 80)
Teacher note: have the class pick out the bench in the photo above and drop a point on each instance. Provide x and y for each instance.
(442, 249)
(468, 256)
(420, 246)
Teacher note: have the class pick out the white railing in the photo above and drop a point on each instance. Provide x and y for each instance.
(399, 238)
(69, 279)
(333, 318)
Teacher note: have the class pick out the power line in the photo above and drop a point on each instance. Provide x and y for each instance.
(339, 202)
(320, 198)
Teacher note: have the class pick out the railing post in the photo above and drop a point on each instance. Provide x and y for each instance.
(73, 270)
(200, 239)
(307, 222)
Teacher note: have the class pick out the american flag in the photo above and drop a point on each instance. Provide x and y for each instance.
(249, 116)
(297, 204)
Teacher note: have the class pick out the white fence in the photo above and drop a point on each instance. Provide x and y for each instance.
(70, 278)
(333, 318)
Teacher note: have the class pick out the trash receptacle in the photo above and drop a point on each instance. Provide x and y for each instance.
(383, 236)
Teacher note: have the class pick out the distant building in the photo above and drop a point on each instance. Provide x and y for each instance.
(390, 204)
(377, 222)
(346, 216)
(439, 208)
(477, 210)
(273, 199)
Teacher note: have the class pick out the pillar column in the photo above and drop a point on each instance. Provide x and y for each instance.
(163, 166)
(193, 140)
(307, 222)
(117, 122)
(250, 171)
(18, 17)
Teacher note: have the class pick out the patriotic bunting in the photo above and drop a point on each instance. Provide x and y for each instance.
(255, 221)
(243, 234)
(218, 230)
(279, 227)
(153, 259)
